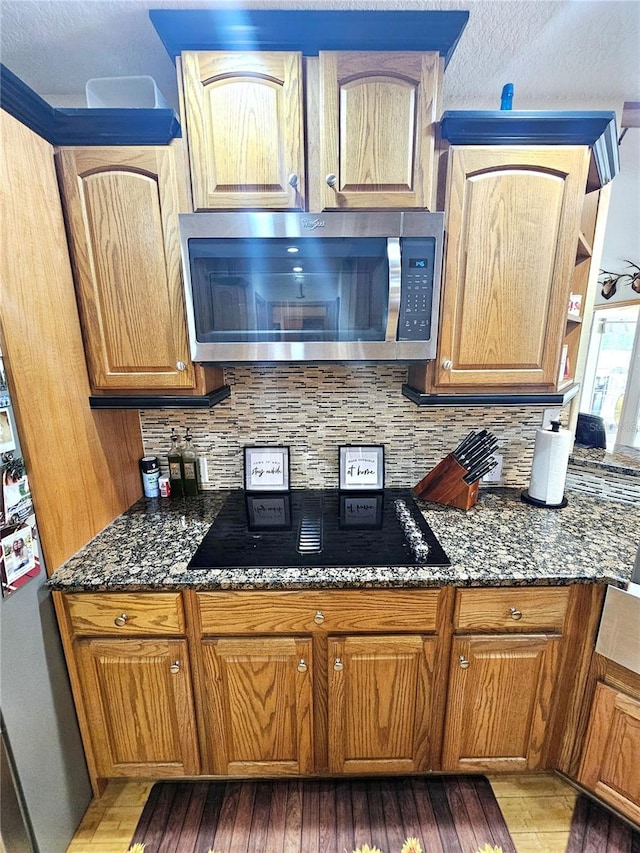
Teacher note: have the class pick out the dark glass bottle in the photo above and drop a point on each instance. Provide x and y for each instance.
(190, 472)
(174, 458)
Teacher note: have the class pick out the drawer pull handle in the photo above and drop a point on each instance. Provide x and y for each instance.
(121, 620)
(174, 669)
(332, 180)
(464, 663)
(515, 613)
(293, 180)
(302, 666)
(338, 665)
(319, 617)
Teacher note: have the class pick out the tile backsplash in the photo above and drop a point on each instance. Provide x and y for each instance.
(315, 408)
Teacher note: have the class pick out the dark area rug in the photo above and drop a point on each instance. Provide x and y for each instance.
(595, 829)
(447, 814)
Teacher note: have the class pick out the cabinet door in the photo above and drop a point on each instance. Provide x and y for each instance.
(122, 208)
(257, 697)
(611, 756)
(139, 702)
(499, 702)
(379, 703)
(377, 118)
(512, 229)
(244, 125)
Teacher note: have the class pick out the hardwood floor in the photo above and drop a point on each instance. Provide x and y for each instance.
(537, 809)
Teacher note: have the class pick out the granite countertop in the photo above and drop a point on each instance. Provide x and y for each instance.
(499, 542)
(604, 460)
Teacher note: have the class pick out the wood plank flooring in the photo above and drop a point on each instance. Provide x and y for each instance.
(537, 809)
(449, 814)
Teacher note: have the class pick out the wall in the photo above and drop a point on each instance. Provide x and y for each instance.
(314, 409)
(623, 222)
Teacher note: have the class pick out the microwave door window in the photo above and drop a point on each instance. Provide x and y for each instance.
(302, 289)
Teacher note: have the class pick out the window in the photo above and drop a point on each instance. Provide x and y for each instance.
(612, 375)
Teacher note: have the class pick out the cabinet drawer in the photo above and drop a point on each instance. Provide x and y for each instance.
(512, 608)
(126, 614)
(360, 611)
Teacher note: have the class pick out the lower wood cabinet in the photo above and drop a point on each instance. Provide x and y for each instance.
(499, 701)
(140, 706)
(329, 682)
(257, 702)
(379, 703)
(611, 753)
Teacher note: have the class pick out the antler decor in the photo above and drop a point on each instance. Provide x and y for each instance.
(609, 280)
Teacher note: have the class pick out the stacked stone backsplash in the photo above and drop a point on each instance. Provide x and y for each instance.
(315, 408)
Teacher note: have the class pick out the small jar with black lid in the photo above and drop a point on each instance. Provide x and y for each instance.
(150, 472)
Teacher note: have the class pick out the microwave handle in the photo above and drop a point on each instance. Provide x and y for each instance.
(395, 291)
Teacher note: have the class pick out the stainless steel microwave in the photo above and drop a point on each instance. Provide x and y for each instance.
(352, 286)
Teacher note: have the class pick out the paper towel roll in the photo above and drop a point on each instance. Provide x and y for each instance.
(549, 468)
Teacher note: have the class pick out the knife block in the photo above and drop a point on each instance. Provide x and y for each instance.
(444, 485)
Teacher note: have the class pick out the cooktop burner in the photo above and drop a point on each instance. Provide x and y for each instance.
(318, 527)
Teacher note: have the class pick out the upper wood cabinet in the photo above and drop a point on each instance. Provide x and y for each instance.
(243, 115)
(370, 120)
(377, 114)
(513, 221)
(122, 206)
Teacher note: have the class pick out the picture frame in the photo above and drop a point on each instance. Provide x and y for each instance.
(361, 511)
(7, 438)
(266, 469)
(268, 511)
(19, 556)
(361, 467)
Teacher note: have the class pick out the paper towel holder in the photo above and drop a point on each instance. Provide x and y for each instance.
(526, 497)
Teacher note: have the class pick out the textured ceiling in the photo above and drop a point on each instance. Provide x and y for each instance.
(578, 54)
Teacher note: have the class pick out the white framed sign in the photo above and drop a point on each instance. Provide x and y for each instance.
(362, 467)
(266, 469)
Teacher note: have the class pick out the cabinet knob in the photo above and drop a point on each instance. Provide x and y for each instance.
(180, 365)
(302, 666)
(293, 180)
(515, 613)
(319, 617)
(464, 663)
(338, 665)
(175, 667)
(332, 180)
(447, 364)
(121, 620)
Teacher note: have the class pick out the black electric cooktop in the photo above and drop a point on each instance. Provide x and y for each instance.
(319, 527)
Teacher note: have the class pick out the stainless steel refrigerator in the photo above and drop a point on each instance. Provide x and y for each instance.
(45, 784)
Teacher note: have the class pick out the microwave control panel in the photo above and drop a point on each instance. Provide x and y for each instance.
(416, 290)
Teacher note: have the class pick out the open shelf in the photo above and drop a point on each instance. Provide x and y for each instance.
(584, 250)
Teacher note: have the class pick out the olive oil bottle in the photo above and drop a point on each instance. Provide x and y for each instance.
(174, 458)
(190, 472)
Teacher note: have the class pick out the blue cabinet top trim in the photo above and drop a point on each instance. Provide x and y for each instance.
(534, 127)
(308, 31)
(25, 105)
(115, 126)
(538, 127)
(84, 126)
